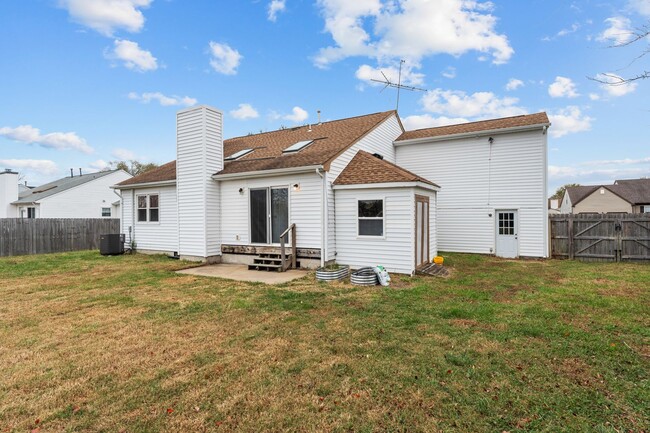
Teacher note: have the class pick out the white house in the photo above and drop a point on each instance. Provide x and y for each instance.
(341, 183)
(80, 196)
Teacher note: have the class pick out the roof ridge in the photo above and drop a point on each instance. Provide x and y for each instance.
(480, 121)
(306, 125)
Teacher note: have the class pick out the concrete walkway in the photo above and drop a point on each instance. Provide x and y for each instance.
(241, 273)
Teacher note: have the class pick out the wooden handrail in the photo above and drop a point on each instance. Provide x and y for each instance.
(294, 249)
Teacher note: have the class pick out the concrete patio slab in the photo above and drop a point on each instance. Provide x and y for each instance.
(241, 273)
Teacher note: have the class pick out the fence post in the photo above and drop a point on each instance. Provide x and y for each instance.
(570, 236)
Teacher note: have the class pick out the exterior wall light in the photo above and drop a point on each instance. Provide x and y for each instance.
(296, 187)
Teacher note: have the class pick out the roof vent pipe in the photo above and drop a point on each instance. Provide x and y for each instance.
(71, 172)
(319, 122)
(80, 171)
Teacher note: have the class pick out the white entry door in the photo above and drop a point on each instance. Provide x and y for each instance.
(507, 237)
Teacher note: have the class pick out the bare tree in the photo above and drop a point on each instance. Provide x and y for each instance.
(132, 167)
(640, 34)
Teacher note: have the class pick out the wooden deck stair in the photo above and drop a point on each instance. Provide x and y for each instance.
(268, 262)
(279, 262)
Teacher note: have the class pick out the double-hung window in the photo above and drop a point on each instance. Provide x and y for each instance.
(371, 218)
(148, 210)
(106, 212)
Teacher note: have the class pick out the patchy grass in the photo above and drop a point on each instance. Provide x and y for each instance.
(91, 343)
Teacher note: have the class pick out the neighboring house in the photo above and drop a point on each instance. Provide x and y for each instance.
(82, 196)
(352, 187)
(624, 196)
(553, 206)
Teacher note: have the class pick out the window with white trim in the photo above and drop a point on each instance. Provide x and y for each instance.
(148, 210)
(31, 212)
(645, 208)
(371, 217)
(106, 212)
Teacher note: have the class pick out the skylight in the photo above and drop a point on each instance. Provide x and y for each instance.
(238, 155)
(298, 146)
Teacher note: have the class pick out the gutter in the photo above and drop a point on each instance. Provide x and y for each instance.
(388, 185)
(144, 185)
(543, 126)
(266, 173)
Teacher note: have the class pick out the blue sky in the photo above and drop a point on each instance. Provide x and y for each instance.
(85, 82)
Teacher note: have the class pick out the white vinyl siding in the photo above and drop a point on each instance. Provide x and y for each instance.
(305, 207)
(475, 183)
(395, 250)
(199, 155)
(155, 236)
(83, 201)
(379, 140)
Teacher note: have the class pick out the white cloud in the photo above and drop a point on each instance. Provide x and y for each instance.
(429, 121)
(224, 59)
(133, 56)
(106, 16)
(619, 31)
(574, 28)
(124, 154)
(642, 7)
(275, 7)
(514, 84)
(53, 140)
(594, 96)
(615, 85)
(245, 112)
(568, 120)
(98, 165)
(409, 77)
(625, 161)
(297, 115)
(410, 29)
(563, 87)
(165, 101)
(449, 72)
(559, 175)
(40, 166)
(456, 103)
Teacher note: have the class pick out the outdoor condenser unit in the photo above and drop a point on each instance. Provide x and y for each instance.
(111, 244)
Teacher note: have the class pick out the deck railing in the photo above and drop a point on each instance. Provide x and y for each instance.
(286, 263)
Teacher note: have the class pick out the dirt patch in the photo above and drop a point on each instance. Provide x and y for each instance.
(580, 373)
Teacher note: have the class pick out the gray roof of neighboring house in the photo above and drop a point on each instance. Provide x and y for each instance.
(634, 191)
(40, 192)
(23, 190)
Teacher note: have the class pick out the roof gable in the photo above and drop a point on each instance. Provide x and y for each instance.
(365, 168)
(59, 185)
(480, 126)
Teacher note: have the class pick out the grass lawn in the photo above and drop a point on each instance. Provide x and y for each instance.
(91, 343)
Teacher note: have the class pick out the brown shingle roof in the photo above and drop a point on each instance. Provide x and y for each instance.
(483, 125)
(330, 140)
(366, 168)
(159, 174)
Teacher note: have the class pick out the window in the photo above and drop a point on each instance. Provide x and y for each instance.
(506, 223)
(237, 155)
(106, 212)
(645, 208)
(298, 146)
(31, 212)
(148, 208)
(371, 217)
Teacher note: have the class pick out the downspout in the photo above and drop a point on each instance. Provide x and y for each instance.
(132, 232)
(323, 219)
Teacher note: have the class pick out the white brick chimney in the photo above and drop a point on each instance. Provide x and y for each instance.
(199, 155)
(8, 193)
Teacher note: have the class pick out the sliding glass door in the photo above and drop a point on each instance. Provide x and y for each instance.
(269, 214)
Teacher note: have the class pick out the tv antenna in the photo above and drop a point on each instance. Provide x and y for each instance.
(399, 86)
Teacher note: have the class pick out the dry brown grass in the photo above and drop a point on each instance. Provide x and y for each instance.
(124, 344)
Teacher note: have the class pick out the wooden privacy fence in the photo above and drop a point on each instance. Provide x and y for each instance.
(20, 236)
(601, 237)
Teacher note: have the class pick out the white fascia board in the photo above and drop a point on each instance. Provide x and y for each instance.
(144, 185)
(267, 173)
(389, 185)
(542, 126)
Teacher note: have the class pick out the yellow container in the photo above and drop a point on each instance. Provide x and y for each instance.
(438, 260)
